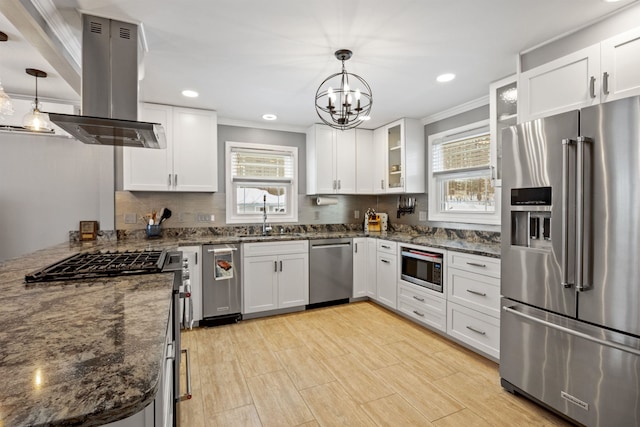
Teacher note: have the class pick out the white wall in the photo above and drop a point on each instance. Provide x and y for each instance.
(47, 185)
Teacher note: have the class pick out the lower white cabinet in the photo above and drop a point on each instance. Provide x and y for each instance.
(423, 306)
(387, 273)
(275, 275)
(361, 273)
(473, 301)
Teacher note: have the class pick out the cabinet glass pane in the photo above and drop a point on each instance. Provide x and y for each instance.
(506, 114)
(394, 156)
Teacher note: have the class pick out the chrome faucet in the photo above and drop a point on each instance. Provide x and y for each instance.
(265, 228)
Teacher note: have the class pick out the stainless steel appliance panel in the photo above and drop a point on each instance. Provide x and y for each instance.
(611, 267)
(532, 265)
(585, 372)
(221, 284)
(330, 270)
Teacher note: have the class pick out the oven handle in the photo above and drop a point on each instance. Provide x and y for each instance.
(221, 250)
(188, 394)
(432, 258)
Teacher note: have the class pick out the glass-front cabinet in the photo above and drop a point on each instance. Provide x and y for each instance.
(399, 157)
(503, 112)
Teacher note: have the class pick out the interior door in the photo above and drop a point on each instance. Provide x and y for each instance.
(532, 260)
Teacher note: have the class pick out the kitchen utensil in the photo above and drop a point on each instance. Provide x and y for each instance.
(166, 214)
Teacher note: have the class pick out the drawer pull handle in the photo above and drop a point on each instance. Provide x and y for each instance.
(475, 264)
(476, 330)
(385, 246)
(418, 313)
(471, 291)
(386, 261)
(418, 298)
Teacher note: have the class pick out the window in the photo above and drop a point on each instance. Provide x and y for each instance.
(460, 184)
(261, 177)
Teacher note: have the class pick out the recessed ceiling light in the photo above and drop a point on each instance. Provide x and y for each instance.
(269, 116)
(190, 93)
(447, 77)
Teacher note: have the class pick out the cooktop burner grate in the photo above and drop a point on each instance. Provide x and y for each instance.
(100, 264)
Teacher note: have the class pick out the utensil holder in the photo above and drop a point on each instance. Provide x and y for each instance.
(154, 231)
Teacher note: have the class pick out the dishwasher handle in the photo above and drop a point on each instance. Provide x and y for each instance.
(330, 245)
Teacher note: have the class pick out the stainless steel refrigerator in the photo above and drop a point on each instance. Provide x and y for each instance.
(570, 323)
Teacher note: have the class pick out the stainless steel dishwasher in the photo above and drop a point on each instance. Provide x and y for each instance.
(330, 271)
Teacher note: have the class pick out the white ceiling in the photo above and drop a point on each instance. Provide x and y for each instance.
(250, 57)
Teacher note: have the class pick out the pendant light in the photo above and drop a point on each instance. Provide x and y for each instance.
(343, 100)
(36, 120)
(6, 104)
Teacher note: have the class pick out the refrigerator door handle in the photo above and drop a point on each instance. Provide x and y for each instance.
(570, 331)
(580, 229)
(565, 212)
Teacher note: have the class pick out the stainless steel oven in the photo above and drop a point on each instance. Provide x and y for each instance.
(421, 267)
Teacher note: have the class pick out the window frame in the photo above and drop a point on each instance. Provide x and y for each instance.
(232, 217)
(436, 180)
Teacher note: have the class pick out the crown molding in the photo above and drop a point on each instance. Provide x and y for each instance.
(459, 109)
(59, 28)
(257, 125)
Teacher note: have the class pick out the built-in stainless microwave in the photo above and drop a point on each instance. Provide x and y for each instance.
(421, 268)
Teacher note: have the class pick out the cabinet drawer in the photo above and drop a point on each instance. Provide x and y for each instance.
(476, 291)
(387, 247)
(478, 330)
(275, 248)
(423, 307)
(474, 263)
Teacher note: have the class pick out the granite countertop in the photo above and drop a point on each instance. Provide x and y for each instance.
(79, 352)
(90, 352)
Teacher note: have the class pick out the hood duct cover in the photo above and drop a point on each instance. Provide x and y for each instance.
(110, 89)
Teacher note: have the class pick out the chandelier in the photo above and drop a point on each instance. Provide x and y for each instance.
(343, 100)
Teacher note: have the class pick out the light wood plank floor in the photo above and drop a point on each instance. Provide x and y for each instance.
(349, 365)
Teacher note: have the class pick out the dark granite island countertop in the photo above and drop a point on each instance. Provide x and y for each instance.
(79, 352)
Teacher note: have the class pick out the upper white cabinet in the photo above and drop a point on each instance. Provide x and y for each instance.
(364, 161)
(567, 83)
(503, 112)
(331, 160)
(399, 157)
(620, 66)
(599, 73)
(190, 161)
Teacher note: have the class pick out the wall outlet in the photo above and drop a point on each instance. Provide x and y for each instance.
(356, 214)
(316, 215)
(205, 217)
(422, 216)
(130, 218)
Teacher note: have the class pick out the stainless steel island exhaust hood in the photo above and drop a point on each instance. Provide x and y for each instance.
(110, 89)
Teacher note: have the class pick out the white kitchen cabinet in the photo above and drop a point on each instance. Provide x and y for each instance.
(362, 274)
(503, 112)
(275, 275)
(364, 161)
(620, 56)
(473, 301)
(189, 163)
(399, 152)
(567, 83)
(331, 160)
(193, 255)
(599, 73)
(387, 273)
(423, 306)
(371, 278)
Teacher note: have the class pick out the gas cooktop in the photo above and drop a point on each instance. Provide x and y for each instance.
(90, 265)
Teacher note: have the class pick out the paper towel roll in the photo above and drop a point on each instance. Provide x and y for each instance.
(321, 201)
